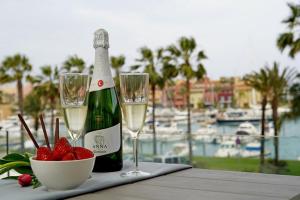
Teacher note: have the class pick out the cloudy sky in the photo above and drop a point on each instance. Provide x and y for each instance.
(238, 36)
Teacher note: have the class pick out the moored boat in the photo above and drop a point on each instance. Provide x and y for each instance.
(228, 149)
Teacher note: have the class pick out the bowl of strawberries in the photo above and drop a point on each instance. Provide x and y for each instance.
(63, 167)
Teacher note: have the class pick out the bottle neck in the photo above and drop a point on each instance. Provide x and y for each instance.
(102, 77)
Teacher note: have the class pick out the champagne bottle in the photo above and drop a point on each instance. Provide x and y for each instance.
(104, 119)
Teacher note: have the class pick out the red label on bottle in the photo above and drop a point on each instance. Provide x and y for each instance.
(100, 83)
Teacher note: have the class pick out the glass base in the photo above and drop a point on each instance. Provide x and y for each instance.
(137, 173)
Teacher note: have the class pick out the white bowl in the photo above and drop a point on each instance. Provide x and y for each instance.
(62, 175)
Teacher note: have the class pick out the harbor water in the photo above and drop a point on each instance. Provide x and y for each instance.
(289, 141)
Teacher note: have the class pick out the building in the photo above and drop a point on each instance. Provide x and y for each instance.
(9, 98)
(179, 94)
(197, 94)
(158, 96)
(224, 89)
(244, 95)
(223, 93)
(11, 91)
(5, 105)
(167, 96)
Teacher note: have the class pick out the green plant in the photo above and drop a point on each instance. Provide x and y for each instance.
(19, 163)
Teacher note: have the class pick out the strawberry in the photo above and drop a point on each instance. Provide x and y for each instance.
(69, 156)
(82, 153)
(44, 153)
(24, 180)
(61, 148)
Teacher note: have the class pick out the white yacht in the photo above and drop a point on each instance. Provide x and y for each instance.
(164, 112)
(237, 115)
(253, 150)
(164, 131)
(178, 154)
(228, 149)
(207, 134)
(163, 128)
(247, 132)
(247, 128)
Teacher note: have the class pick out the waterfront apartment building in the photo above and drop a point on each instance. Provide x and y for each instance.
(158, 96)
(218, 93)
(8, 99)
(223, 93)
(197, 94)
(244, 95)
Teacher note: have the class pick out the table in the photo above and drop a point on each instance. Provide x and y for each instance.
(204, 184)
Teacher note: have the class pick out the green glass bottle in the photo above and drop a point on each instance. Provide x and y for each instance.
(104, 119)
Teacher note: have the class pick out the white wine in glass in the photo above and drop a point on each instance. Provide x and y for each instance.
(75, 120)
(134, 115)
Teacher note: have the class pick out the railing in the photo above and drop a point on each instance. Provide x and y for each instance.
(225, 152)
(220, 150)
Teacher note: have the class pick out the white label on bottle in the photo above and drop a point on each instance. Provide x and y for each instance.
(103, 141)
(102, 77)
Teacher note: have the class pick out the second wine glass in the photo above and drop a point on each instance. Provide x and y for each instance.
(74, 89)
(134, 101)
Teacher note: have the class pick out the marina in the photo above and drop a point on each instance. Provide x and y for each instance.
(209, 139)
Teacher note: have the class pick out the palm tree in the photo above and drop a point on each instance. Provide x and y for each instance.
(279, 81)
(47, 88)
(182, 54)
(295, 102)
(117, 62)
(291, 38)
(73, 64)
(14, 69)
(150, 61)
(261, 83)
(91, 69)
(33, 106)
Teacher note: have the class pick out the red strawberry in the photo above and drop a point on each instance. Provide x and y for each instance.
(44, 153)
(69, 156)
(61, 148)
(82, 153)
(24, 180)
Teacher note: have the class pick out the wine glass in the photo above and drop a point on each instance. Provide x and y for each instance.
(134, 100)
(74, 90)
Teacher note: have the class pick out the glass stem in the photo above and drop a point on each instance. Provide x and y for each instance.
(73, 143)
(135, 152)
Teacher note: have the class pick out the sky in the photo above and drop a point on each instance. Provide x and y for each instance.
(238, 36)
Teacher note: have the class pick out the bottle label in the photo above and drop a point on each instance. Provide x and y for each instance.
(102, 77)
(103, 141)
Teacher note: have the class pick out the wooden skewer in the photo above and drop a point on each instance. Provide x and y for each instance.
(28, 131)
(56, 130)
(45, 132)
